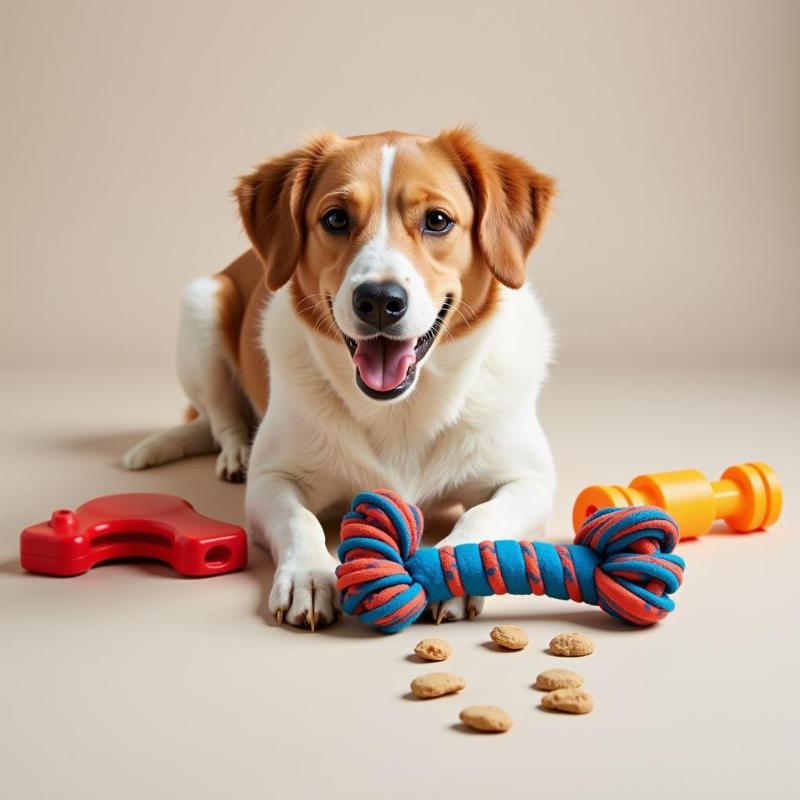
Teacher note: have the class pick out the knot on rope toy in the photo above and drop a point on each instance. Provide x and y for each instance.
(621, 560)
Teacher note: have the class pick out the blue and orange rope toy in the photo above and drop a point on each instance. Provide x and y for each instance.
(621, 560)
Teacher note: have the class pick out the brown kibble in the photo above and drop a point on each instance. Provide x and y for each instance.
(570, 701)
(489, 719)
(434, 650)
(571, 645)
(436, 684)
(511, 637)
(552, 679)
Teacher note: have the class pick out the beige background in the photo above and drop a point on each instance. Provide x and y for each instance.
(673, 128)
(671, 262)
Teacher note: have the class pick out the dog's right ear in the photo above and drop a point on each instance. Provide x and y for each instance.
(511, 200)
(272, 203)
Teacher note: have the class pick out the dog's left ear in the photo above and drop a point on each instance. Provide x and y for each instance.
(272, 202)
(511, 202)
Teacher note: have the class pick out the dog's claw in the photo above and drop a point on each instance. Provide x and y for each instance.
(456, 608)
(304, 598)
(310, 620)
(443, 615)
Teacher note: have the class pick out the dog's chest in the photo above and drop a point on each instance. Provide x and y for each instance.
(414, 462)
(449, 440)
(407, 464)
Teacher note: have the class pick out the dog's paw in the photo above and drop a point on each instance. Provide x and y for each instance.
(232, 462)
(157, 449)
(305, 596)
(456, 608)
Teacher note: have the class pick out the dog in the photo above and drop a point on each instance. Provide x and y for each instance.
(380, 333)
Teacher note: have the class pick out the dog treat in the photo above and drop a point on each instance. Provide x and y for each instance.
(436, 684)
(489, 719)
(570, 701)
(571, 645)
(511, 637)
(434, 650)
(552, 679)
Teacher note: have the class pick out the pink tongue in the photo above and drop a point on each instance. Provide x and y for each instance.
(383, 363)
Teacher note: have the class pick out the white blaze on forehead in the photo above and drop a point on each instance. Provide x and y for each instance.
(377, 261)
(388, 152)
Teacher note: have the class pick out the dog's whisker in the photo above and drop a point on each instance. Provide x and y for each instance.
(321, 321)
(332, 326)
(466, 305)
(470, 310)
(466, 321)
(311, 305)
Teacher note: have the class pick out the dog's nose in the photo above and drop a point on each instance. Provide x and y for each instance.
(380, 304)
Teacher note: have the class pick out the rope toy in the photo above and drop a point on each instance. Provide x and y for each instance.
(621, 561)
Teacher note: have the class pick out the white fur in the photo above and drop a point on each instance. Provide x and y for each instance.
(468, 433)
(378, 261)
(207, 377)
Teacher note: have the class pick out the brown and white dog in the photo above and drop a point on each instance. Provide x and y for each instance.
(381, 330)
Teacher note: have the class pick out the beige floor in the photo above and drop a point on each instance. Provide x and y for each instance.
(129, 682)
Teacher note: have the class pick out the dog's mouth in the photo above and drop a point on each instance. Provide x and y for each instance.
(386, 367)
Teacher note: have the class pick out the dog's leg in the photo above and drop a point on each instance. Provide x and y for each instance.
(304, 587)
(190, 439)
(517, 510)
(206, 371)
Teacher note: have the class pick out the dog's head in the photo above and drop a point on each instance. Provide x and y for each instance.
(394, 242)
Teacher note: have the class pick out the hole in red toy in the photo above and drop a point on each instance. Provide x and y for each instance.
(218, 555)
(590, 510)
(156, 539)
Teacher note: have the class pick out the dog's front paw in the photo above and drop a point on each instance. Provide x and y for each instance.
(456, 608)
(305, 595)
(466, 607)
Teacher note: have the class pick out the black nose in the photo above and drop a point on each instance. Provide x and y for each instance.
(380, 304)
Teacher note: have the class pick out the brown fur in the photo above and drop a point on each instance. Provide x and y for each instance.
(271, 203)
(231, 309)
(240, 304)
(498, 201)
(511, 201)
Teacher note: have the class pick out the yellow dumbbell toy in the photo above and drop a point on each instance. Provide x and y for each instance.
(747, 496)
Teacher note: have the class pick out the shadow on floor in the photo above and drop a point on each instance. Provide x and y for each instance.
(111, 445)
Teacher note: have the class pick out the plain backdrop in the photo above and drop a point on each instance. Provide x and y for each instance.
(671, 262)
(673, 129)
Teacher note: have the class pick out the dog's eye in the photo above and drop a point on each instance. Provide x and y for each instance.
(336, 221)
(437, 221)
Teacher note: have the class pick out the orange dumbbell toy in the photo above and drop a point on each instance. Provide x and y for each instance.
(747, 496)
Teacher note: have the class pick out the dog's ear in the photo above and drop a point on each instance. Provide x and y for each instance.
(511, 202)
(272, 202)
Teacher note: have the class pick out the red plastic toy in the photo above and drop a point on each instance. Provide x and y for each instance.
(159, 526)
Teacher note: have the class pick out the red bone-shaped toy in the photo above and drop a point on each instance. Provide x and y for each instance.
(159, 526)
